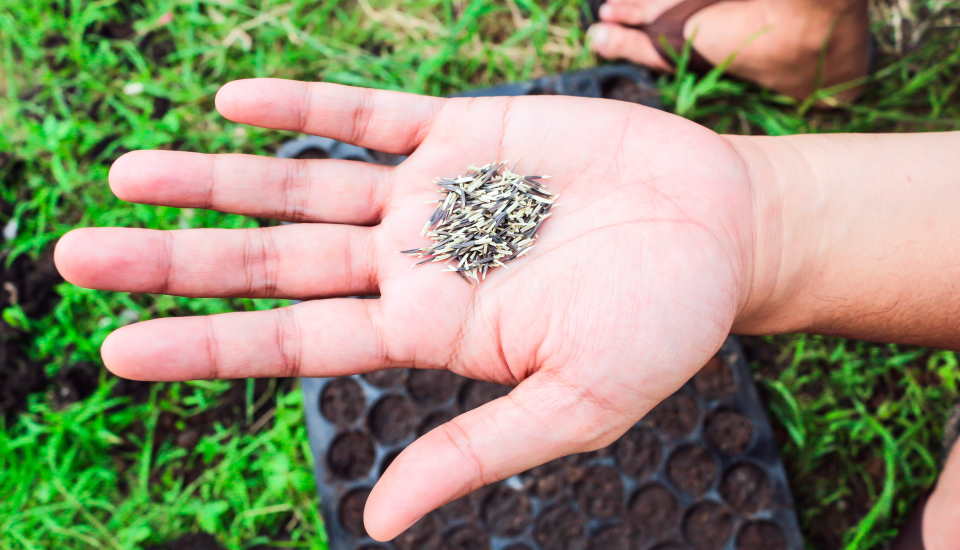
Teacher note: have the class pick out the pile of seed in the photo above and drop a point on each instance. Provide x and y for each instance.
(485, 218)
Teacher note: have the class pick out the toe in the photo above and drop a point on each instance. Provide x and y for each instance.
(626, 13)
(616, 42)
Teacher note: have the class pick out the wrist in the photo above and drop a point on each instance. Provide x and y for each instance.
(785, 239)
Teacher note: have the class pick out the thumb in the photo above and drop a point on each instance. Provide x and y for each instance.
(543, 418)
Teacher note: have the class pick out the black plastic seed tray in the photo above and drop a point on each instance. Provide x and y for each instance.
(624, 82)
(701, 471)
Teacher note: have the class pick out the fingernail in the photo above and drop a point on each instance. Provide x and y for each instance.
(605, 11)
(597, 35)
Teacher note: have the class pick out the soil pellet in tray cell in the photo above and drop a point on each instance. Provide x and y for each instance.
(555, 478)
(351, 511)
(342, 401)
(386, 378)
(424, 534)
(393, 419)
(761, 535)
(600, 492)
(652, 510)
(692, 469)
(507, 511)
(460, 508)
(466, 537)
(638, 452)
(560, 528)
(708, 526)
(729, 431)
(614, 537)
(432, 386)
(715, 380)
(746, 489)
(676, 416)
(351, 455)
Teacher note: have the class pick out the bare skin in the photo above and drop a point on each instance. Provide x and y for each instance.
(778, 43)
(666, 237)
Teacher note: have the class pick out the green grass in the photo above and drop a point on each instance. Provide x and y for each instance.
(860, 422)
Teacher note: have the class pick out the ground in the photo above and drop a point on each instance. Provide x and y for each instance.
(91, 461)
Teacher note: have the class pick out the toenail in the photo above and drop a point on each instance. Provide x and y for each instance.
(605, 11)
(598, 35)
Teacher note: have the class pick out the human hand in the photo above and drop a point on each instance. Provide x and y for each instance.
(634, 283)
(792, 46)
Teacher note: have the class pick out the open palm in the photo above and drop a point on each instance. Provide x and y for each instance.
(634, 283)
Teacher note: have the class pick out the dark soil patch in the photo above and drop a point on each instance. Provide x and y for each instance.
(342, 401)
(466, 537)
(30, 284)
(393, 419)
(715, 380)
(560, 528)
(692, 469)
(600, 492)
(19, 377)
(708, 526)
(27, 283)
(74, 383)
(761, 535)
(113, 30)
(507, 511)
(476, 393)
(626, 89)
(746, 489)
(672, 546)
(160, 107)
(676, 416)
(386, 378)
(638, 452)
(729, 431)
(432, 386)
(653, 512)
(54, 40)
(157, 45)
(616, 537)
(518, 546)
(185, 431)
(351, 511)
(351, 455)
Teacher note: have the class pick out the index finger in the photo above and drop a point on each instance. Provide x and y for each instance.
(392, 122)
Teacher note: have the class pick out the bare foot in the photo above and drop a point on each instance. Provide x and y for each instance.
(792, 46)
(941, 517)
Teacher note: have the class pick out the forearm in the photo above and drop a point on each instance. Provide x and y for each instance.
(856, 235)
